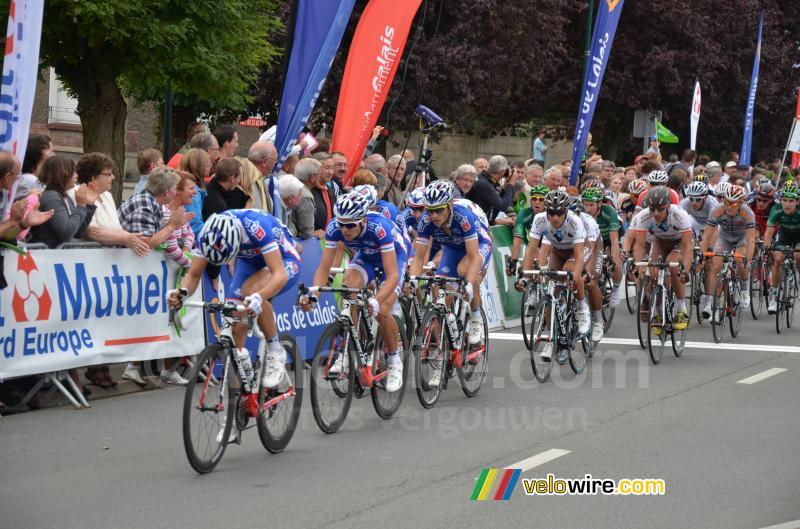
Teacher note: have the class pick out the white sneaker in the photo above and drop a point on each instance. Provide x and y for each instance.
(745, 300)
(395, 379)
(173, 378)
(772, 306)
(475, 330)
(340, 364)
(616, 294)
(134, 375)
(583, 320)
(274, 368)
(597, 331)
(232, 438)
(547, 352)
(436, 375)
(705, 311)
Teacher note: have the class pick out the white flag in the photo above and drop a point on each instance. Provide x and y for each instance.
(794, 139)
(20, 66)
(695, 115)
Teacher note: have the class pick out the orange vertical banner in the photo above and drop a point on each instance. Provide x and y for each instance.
(375, 53)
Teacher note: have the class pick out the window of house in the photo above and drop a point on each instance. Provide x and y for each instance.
(61, 106)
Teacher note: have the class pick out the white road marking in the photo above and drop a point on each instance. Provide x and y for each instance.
(690, 345)
(788, 525)
(538, 459)
(761, 376)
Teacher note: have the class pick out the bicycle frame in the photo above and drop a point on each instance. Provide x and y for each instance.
(440, 304)
(560, 280)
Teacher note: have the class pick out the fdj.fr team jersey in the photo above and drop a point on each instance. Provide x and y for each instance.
(387, 209)
(570, 233)
(676, 224)
(732, 228)
(464, 226)
(789, 224)
(379, 235)
(263, 234)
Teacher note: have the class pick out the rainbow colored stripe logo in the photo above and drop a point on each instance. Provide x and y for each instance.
(496, 484)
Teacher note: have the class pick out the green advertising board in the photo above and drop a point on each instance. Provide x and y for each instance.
(501, 248)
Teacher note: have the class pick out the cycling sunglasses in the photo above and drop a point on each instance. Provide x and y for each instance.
(556, 213)
(696, 199)
(658, 208)
(731, 202)
(537, 199)
(435, 209)
(347, 225)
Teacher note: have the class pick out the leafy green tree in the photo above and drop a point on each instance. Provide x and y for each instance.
(208, 52)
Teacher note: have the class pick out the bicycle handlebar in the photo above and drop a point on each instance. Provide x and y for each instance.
(548, 273)
(658, 264)
(723, 254)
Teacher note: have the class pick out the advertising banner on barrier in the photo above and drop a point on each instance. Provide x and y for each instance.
(511, 300)
(72, 308)
(490, 298)
(305, 327)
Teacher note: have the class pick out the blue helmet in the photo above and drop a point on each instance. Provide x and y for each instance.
(367, 191)
(416, 198)
(352, 206)
(439, 193)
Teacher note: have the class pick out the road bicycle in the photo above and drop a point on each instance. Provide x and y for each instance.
(661, 311)
(442, 343)
(607, 288)
(534, 289)
(726, 298)
(629, 276)
(555, 323)
(413, 306)
(351, 359)
(787, 289)
(697, 285)
(759, 281)
(218, 398)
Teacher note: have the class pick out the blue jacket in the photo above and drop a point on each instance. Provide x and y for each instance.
(197, 208)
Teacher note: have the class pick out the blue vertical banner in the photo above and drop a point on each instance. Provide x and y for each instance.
(605, 27)
(747, 139)
(317, 34)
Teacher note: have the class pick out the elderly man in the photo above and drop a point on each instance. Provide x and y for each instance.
(264, 156)
(553, 178)
(303, 216)
(298, 206)
(464, 178)
(396, 169)
(491, 193)
(607, 169)
(480, 164)
(533, 177)
(340, 169)
(204, 140)
(324, 194)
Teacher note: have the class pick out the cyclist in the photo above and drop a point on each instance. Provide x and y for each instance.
(558, 237)
(698, 204)
(787, 217)
(628, 206)
(671, 229)
(733, 225)
(380, 255)
(522, 226)
(267, 264)
(608, 222)
(466, 248)
(592, 265)
(762, 205)
(658, 178)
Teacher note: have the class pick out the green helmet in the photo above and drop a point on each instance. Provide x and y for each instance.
(541, 189)
(593, 194)
(790, 191)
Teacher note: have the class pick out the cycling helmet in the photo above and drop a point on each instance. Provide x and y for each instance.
(735, 193)
(766, 189)
(556, 200)
(351, 206)
(658, 177)
(540, 190)
(697, 189)
(220, 238)
(367, 191)
(658, 196)
(438, 193)
(790, 191)
(576, 204)
(637, 187)
(593, 194)
(416, 198)
(591, 183)
(720, 188)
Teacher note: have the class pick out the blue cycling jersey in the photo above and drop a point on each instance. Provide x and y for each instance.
(464, 226)
(407, 220)
(387, 209)
(379, 235)
(263, 234)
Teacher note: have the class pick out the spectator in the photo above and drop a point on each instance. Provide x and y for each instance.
(464, 179)
(18, 219)
(539, 148)
(291, 161)
(533, 177)
(607, 169)
(70, 219)
(653, 149)
(207, 142)
(365, 177)
(376, 163)
(616, 186)
(396, 170)
(96, 171)
(491, 193)
(227, 139)
(39, 149)
(324, 195)
(193, 130)
(553, 178)
(223, 193)
(295, 196)
(146, 161)
(178, 245)
(340, 169)
(197, 163)
(303, 214)
(253, 184)
(264, 156)
(480, 164)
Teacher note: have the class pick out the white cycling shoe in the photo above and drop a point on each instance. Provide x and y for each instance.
(274, 368)
(597, 331)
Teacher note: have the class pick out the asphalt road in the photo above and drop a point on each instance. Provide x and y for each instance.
(727, 451)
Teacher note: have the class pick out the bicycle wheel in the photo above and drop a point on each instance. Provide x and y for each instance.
(719, 307)
(579, 359)
(472, 373)
(791, 291)
(408, 318)
(386, 404)
(700, 286)
(755, 285)
(656, 331)
(529, 300)
(780, 314)
(608, 310)
(279, 407)
(543, 332)
(209, 406)
(734, 302)
(430, 354)
(630, 292)
(642, 313)
(332, 392)
(678, 337)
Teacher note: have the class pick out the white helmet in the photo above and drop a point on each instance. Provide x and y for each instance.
(735, 193)
(698, 188)
(220, 239)
(439, 193)
(416, 198)
(658, 177)
(351, 206)
(367, 191)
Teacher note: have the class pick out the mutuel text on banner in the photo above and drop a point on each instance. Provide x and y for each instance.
(72, 308)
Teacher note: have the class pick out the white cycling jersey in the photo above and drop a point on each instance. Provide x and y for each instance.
(570, 233)
(699, 216)
(676, 224)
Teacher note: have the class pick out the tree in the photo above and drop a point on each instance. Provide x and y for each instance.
(105, 50)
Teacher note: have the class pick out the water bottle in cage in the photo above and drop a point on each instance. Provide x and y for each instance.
(245, 366)
(452, 327)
